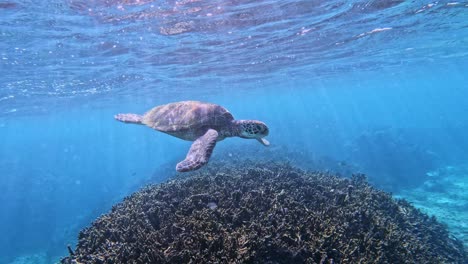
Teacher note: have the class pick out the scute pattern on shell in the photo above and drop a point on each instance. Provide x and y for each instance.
(186, 115)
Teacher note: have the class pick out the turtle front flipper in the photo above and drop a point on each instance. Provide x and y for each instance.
(199, 153)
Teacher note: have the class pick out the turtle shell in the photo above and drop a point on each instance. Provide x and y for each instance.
(187, 115)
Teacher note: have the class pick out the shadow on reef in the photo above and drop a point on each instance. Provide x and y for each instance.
(391, 157)
(264, 213)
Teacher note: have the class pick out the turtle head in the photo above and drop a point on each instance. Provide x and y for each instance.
(253, 129)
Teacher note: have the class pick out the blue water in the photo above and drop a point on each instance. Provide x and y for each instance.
(379, 86)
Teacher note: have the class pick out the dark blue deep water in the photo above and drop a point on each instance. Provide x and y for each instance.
(379, 87)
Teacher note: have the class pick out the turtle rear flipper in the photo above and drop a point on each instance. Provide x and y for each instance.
(199, 153)
(129, 118)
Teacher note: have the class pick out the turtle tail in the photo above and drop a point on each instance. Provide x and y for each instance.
(129, 118)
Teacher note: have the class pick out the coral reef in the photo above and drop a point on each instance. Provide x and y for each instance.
(264, 213)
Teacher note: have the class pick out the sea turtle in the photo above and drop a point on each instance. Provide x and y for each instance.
(203, 123)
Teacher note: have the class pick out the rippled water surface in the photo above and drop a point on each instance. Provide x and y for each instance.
(54, 50)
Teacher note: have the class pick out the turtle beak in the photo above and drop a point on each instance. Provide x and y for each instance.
(264, 141)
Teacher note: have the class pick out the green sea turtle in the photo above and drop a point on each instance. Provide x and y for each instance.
(203, 123)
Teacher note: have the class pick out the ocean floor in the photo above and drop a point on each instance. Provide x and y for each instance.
(445, 196)
(37, 258)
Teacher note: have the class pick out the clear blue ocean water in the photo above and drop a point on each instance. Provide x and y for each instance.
(379, 87)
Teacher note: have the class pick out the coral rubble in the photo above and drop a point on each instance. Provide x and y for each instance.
(265, 213)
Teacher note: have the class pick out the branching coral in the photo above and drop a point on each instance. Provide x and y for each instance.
(265, 213)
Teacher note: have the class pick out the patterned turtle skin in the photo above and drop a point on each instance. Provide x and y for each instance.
(203, 123)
